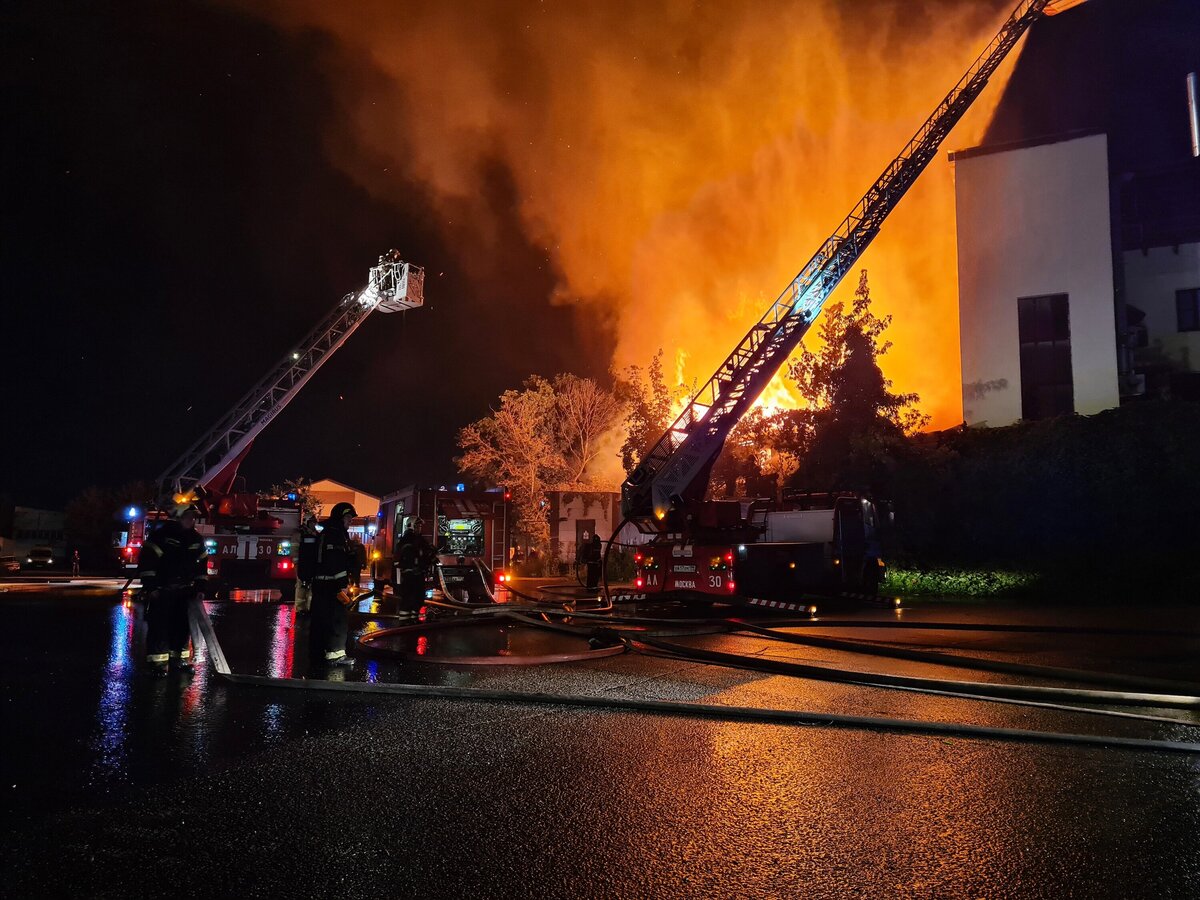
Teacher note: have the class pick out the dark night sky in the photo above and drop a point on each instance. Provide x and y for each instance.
(172, 225)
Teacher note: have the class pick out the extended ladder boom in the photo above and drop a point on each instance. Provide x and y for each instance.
(392, 285)
(677, 467)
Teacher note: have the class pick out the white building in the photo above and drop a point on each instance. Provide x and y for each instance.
(1035, 281)
(29, 527)
(1078, 222)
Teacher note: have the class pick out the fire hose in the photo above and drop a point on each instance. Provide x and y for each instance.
(203, 626)
(1081, 676)
(651, 646)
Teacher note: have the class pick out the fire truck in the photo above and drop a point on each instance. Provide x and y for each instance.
(468, 529)
(252, 542)
(760, 551)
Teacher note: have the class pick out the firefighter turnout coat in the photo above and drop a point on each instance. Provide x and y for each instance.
(332, 561)
(172, 558)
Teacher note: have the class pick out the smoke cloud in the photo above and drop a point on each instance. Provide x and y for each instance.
(678, 161)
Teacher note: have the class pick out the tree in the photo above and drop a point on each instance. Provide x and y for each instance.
(857, 420)
(544, 437)
(780, 440)
(516, 446)
(302, 488)
(844, 375)
(762, 452)
(647, 401)
(585, 412)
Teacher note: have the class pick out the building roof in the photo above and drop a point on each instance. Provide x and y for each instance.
(1118, 68)
(985, 150)
(1108, 65)
(341, 484)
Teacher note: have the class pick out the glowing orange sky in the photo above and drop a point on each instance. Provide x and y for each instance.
(680, 161)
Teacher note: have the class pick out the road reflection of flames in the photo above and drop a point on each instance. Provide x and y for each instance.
(283, 642)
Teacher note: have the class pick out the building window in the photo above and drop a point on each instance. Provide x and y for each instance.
(1187, 309)
(1044, 333)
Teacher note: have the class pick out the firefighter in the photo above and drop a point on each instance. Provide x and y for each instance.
(593, 556)
(335, 570)
(306, 561)
(173, 567)
(413, 554)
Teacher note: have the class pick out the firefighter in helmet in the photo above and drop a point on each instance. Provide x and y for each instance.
(173, 567)
(413, 555)
(593, 558)
(335, 571)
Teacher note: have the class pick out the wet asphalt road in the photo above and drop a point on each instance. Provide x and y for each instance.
(120, 785)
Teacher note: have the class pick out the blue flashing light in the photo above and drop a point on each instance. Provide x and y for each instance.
(292, 496)
(132, 512)
(460, 487)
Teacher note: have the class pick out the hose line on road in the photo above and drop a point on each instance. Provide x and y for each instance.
(722, 713)
(970, 690)
(643, 642)
(874, 679)
(964, 694)
(901, 625)
(203, 625)
(1082, 676)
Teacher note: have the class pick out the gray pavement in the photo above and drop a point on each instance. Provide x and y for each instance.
(118, 784)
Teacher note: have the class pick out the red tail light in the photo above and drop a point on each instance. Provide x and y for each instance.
(637, 557)
(640, 582)
(501, 577)
(729, 584)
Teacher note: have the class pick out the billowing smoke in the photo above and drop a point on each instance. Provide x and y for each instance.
(679, 161)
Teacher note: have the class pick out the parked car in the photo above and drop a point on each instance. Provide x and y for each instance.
(9, 564)
(40, 558)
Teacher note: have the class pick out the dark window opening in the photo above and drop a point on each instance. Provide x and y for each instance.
(1044, 333)
(1187, 309)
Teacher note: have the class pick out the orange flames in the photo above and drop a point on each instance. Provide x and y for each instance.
(679, 161)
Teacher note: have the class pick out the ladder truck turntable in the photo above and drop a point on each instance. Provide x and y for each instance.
(757, 551)
(253, 542)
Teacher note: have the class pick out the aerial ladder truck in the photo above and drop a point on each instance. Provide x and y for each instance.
(252, 542)
(756, 551)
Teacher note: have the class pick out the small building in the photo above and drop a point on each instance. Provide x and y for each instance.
(1078, 221)
(329, 492)
(576, 515)
(28, 527)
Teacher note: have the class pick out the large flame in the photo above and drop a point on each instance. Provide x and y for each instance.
(679, 161)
